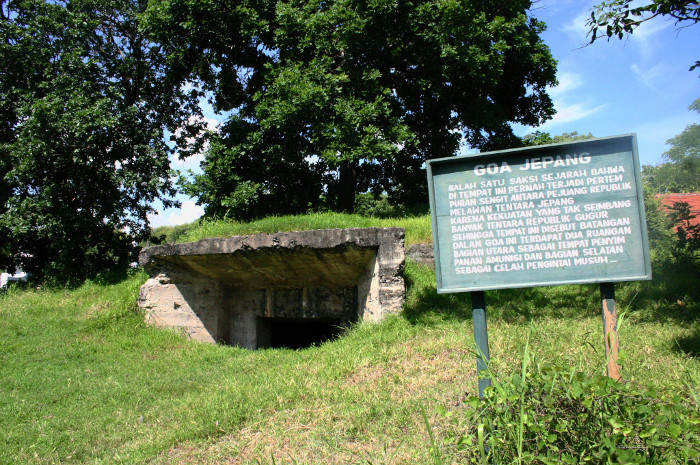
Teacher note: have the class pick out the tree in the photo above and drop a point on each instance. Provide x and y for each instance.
(680, 173)
(681, 170)
(335, 97)
(542, 138)
(618, 18)
(85, 102)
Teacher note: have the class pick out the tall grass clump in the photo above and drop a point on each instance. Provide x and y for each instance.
(551, 413)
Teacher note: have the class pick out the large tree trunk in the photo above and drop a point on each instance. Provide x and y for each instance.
(347, 187)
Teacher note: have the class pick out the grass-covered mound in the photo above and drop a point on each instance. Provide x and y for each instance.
(417, 227)
(84, 380)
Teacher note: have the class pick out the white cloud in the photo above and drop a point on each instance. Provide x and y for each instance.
(567, 82)
(173, 216)
(189, 163)
(187, 214)
(192, 162)
(645, 37)
(566, 98)
(648, 75)
(553, 6)
(576, 29)
(157, 219)
(568, 113)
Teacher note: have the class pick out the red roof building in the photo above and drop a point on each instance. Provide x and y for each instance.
(668, 200)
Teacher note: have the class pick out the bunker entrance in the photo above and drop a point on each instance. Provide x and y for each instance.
(290, 289)
(296, 333)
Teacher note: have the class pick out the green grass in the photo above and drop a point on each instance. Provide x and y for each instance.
(418, 228)
(84, 380)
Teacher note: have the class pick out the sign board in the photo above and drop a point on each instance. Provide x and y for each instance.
(554, 214)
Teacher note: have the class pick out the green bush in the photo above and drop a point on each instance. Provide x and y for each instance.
(380, 206)
(550, 414)
(686, 248)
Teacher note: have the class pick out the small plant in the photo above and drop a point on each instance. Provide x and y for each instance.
(548, 413)
(686, 248)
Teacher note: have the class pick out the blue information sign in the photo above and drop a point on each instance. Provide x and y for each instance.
(553, 214)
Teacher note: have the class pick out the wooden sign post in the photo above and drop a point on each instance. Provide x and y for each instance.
(481, 336)
(612, 341)
(569, 213)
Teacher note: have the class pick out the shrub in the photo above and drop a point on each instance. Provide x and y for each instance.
(686, 248)
(551, 413)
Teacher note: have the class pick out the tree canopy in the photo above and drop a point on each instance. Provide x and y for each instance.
(680, 171)
(542, 138)
(84, 102)
(326, 99)
(330, 98)
(618, 18)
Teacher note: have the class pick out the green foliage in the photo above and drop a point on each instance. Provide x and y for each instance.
(618, 18)
(331, 99)
(686, 248)
(169, 234)
(681, 170)
(659, 227)
(550, 413)
(542, 138)
(379, 206)
(673, 237)
(237, 185)
(687, 144)
(417, 227)
(84, 105)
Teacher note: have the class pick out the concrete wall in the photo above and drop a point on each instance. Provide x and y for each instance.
(222, 290)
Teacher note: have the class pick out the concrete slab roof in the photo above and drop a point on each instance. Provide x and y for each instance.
(286, 260)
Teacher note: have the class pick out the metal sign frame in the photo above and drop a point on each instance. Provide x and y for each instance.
(618, 150)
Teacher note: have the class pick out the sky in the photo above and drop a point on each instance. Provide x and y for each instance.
(640, 84)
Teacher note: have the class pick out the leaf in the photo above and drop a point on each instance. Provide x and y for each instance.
(674, 430)
(576, 390)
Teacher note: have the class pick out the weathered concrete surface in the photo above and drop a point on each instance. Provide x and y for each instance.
(422, 253)
(225, 289)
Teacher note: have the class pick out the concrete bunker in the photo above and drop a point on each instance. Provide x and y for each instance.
(289, 289)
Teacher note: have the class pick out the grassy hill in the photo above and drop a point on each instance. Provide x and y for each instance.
(84, 380)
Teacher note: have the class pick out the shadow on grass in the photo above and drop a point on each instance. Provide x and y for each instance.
(112, 277)
(72, 282)
(689, 345)
(424, 304)
(673, 294)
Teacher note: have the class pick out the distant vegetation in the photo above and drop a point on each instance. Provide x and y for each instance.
(680, 170)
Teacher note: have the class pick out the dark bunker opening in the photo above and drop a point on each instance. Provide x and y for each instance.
(296, 333)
